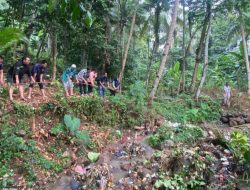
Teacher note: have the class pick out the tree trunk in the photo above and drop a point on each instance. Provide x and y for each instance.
(106, 54)
(156, 42)
(165, 53)
(200, 47)
(40, 47)
(183, 65)
(53, 52)
(204, 72)
(243, 35)
(125, 55)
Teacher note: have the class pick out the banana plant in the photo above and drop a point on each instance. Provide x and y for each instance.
(9, 36)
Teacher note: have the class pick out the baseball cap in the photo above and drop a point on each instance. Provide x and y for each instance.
(73, 66)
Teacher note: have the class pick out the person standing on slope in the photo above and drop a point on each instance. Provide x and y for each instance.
(67, 78)
(227, 95)
(1, 71)
(82, 77)
(37, 73)
(16, 74)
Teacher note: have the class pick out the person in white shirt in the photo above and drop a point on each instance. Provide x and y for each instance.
(227, 95)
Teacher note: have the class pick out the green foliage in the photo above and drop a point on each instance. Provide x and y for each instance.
(177, 182)
(72, 123)
(9, 36)
(58, 129)
(172, 77)
(183, 109)
(181, 134)
(120, 110)
(23, 110)
(240, 147)
(137, 92)
(88, 20)
(84, 136)
(93, 156)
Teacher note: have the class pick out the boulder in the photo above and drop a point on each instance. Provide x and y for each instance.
(232, 123)
(241, 121)
(224, 119)
(247, 120)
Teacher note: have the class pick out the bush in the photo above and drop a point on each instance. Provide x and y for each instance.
(120, 110)
(23, 110)
(181, 134)
(183, 109)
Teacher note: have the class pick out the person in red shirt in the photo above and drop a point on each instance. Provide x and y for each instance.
(91, 81)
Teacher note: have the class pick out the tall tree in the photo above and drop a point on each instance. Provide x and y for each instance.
(157, 39)
(200, 46)
(164, 58)
(204, 71)
(183, 64)
(243, 34)
(53, 52)
(125, 55)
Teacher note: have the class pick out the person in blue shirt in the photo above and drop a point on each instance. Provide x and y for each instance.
(102, 82)
(37, 72)
(114, 88)
(1, 71)
(67, 79)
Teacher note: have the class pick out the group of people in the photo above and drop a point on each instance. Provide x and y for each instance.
(86, 79)
(17, 72)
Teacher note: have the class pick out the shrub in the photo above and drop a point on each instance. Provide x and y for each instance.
(183, 109)
(23, 110)
(181, 134)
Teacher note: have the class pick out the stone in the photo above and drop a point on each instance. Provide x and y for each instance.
(224, 119)
(227, 152)
(167, 144)
(247, 120)
(125, 167)
(66, 154)
(21, 133)
(240, 121)
(75, 185)
(232, 123)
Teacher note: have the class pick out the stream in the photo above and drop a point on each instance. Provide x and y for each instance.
(117, 160)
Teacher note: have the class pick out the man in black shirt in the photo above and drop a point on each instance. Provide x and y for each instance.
(15, 76)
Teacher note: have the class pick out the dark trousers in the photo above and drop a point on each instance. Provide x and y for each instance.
(90, 88)
(39, 83)
(83, 88)
(112, 93)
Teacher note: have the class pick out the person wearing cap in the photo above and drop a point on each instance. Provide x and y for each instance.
(67, 78)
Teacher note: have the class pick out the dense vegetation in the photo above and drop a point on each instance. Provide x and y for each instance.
(172, 59)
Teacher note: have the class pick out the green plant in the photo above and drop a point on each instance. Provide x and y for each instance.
(177, 182)
(93, 156)
(240, 147)
(23, 110)
(58, 129)
(73, 125)
(180, 134)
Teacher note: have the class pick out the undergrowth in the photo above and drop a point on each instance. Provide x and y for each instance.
(182, 134)
(184, 109)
